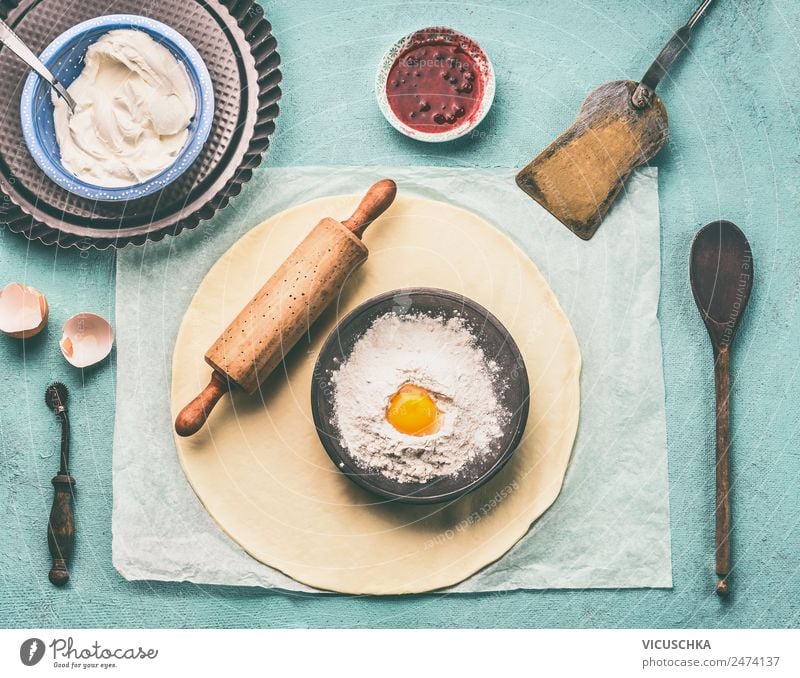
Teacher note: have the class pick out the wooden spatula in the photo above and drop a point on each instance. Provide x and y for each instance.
(621, 125)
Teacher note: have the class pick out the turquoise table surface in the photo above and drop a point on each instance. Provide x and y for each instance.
(733, 152)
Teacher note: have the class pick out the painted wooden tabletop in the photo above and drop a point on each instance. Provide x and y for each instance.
(733, 153)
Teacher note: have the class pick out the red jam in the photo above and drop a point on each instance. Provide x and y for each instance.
(434, 87)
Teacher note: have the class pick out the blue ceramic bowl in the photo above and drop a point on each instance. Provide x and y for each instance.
(64, 57)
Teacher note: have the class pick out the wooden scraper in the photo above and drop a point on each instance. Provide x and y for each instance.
(621, 125)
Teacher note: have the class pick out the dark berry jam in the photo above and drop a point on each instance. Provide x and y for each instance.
(434, 87)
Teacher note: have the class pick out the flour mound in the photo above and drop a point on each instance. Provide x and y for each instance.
(439, 355)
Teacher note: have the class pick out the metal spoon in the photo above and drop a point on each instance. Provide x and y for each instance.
(721, 274)
(12, 41)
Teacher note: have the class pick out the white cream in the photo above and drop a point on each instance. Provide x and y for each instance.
(135, 103)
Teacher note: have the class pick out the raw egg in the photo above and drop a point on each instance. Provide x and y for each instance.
(412, 410)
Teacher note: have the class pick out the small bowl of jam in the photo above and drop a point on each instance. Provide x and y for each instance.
(435, 84)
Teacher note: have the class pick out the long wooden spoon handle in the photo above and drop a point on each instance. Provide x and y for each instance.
(377, 200)
(722, 380)
(192, 417)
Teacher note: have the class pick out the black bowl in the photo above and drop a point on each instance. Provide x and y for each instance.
(497, 345)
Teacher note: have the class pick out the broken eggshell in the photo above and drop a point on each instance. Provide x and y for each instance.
(23, 311)
(86, 340)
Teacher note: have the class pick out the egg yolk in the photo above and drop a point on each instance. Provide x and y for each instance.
(413, 411)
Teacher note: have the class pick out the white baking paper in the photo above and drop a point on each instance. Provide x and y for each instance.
(609, 528)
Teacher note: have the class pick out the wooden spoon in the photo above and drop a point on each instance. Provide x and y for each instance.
(721, 274)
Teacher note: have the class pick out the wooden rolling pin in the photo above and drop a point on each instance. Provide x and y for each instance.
(281, 312)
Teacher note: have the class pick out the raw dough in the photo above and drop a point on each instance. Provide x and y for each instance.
(258, 466)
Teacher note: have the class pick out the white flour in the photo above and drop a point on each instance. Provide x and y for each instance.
(433, 353)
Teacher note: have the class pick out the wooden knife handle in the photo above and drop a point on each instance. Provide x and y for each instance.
(377, 200)
(61, 528)
(192, 417)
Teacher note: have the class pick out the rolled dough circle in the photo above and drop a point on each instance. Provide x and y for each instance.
(258, 466)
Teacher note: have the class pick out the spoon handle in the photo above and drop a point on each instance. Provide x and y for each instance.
(722, 380)
(11, 40)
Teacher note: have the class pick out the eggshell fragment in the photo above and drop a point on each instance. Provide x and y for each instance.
(23, 311)
(86, 340)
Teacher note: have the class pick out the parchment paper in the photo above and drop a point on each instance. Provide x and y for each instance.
(609, 528)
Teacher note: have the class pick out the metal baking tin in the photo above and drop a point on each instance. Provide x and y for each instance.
(236, 43)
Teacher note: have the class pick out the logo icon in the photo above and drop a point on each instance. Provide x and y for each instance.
(31, 651)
